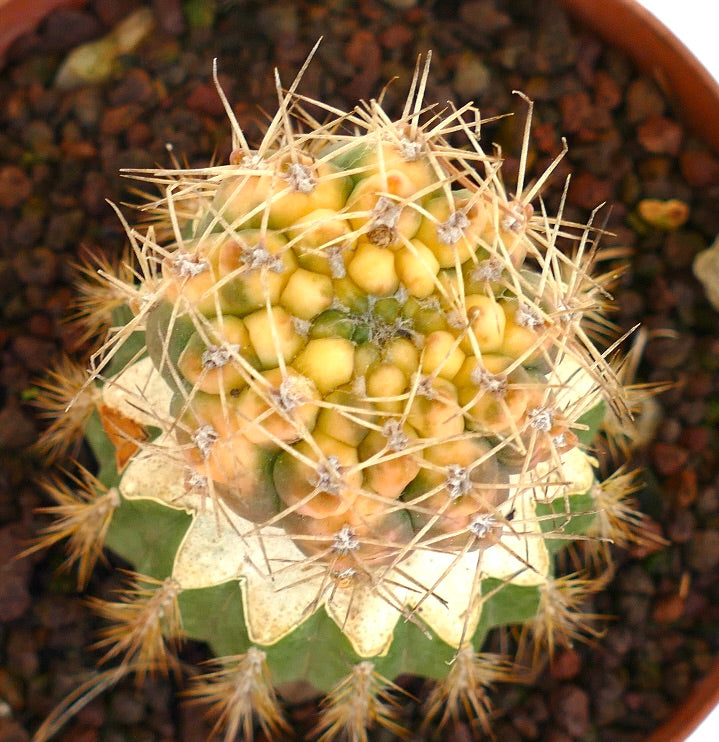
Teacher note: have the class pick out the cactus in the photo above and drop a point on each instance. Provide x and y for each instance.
(343, 414)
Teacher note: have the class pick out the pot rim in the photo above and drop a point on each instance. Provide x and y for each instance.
(21, 16)
(629, 26)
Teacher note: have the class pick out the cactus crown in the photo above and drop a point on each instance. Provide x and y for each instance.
(355, 376)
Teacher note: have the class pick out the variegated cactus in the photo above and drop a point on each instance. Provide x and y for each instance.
(343, 417)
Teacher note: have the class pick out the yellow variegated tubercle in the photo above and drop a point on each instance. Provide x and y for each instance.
(345, 412)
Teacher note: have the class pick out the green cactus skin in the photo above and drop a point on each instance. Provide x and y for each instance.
(345, 418)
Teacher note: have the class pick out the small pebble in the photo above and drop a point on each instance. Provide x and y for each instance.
(15, 186)
(668, 215)
(471, 77)
(643, 100)
(204, 99)
(570, 709)
(396, 36)
(565, 665)
(699, 167)
(703, 553)
(170, 17)
(14, 573)
(668, 609)
(661, 135)
(669, 458)
(116, 120)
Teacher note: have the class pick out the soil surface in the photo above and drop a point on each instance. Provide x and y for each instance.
(60, 156)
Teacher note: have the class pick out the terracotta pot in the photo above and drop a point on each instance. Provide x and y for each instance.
(659, 54)
(624, 24)
(17, 17)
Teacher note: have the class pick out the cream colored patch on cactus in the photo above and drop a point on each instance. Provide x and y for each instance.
(574, 476)
(219, 546)
(136, 389)
(706, 269)
(270, 567)
(520, 557)
(275, 603)
(271, 570)
(367, 618)
(225, 548)
(155, 475)
(451, 610)
(574, 385)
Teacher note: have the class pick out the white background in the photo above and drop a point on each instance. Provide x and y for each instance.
(691, 23)
(694, 23)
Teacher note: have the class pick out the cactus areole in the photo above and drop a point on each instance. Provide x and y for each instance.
(345, 406)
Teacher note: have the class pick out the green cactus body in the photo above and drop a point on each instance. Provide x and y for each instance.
(365, 397)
